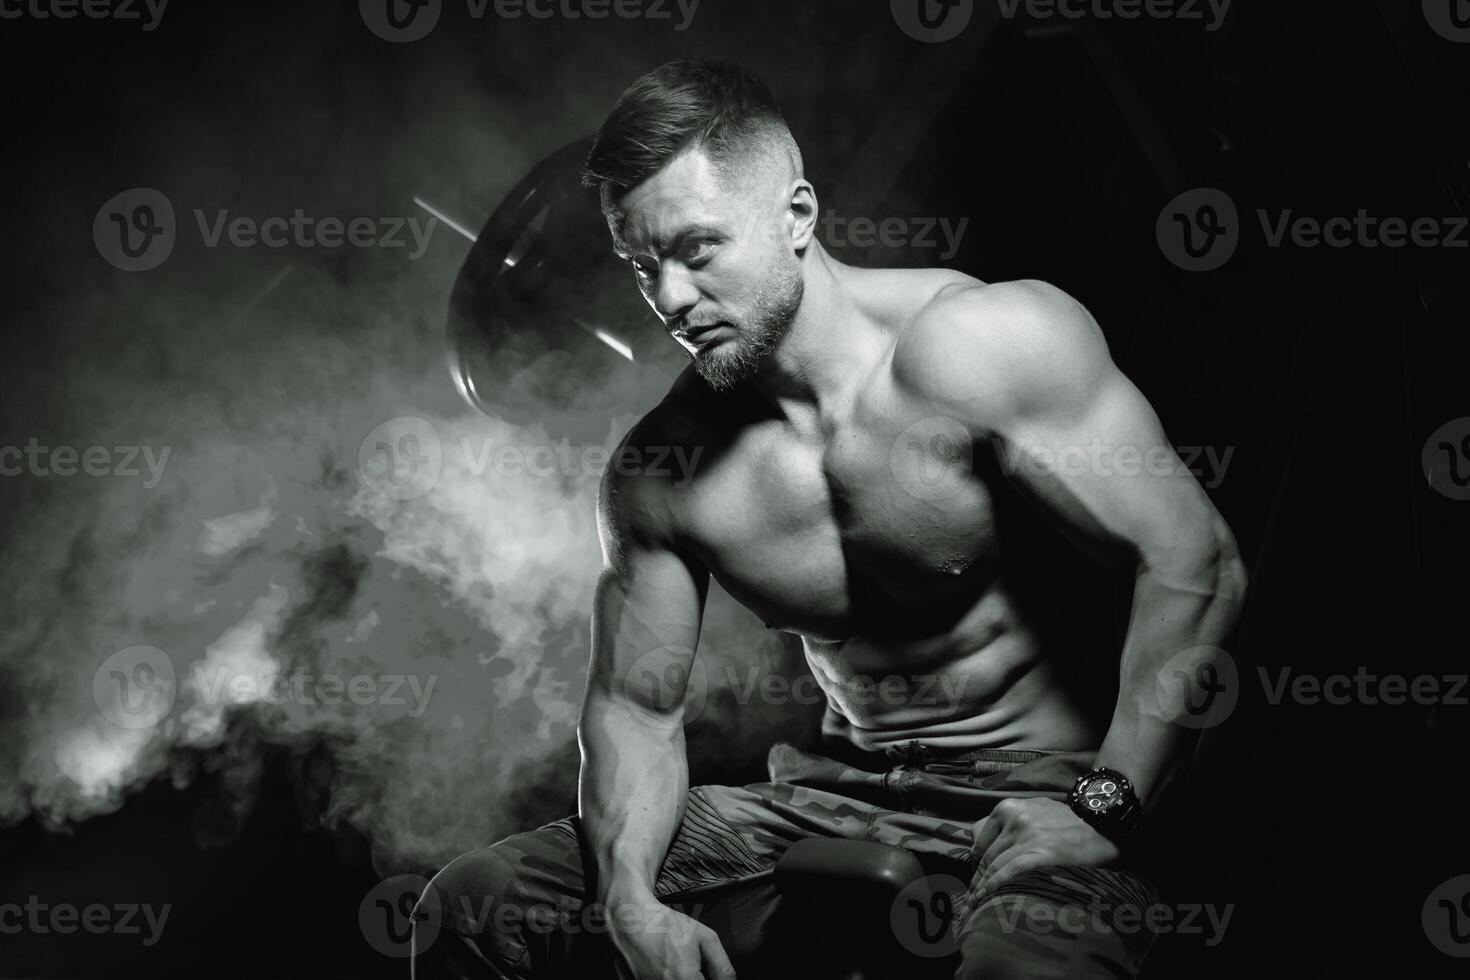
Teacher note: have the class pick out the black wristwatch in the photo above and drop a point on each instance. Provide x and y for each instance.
(1106, 799)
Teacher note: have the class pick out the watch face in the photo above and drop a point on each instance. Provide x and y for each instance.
(1106, 800)
(1101, 794)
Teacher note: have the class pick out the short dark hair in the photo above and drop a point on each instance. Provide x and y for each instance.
(722, 107)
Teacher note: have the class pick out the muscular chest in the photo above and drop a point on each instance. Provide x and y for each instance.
(885, 516)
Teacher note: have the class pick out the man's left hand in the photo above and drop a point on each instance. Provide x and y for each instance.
(1023, 834)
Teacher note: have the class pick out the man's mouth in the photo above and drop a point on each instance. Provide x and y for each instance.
(694, 333)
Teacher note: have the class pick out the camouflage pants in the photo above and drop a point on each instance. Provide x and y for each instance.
(518, 907)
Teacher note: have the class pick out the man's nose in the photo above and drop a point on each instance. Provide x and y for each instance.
(676, 294)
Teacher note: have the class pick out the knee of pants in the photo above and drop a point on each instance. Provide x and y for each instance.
(1037, 927)
(441, 954)
(470, 918)
(1003, 945)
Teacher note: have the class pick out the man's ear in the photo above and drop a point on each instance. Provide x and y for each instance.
(804, 210)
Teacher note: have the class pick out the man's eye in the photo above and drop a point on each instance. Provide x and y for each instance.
(697, 252)
(644, 271)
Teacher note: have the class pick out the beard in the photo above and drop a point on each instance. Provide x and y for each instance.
(758, 333)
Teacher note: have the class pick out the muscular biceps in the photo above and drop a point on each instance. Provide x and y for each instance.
(648, 604)
(1025, 366)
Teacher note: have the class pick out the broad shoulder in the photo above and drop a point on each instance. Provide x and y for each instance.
(654, 462)
(1004, 347)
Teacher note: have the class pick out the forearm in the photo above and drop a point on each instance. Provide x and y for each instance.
(1171, 613)
(632, 790)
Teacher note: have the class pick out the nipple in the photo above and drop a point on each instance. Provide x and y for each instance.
(954, 566)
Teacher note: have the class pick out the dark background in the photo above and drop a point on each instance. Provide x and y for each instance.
(1325, 369)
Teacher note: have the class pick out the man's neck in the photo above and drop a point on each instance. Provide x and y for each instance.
(827, 351)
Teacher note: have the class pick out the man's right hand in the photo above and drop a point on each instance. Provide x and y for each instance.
(659, 943)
